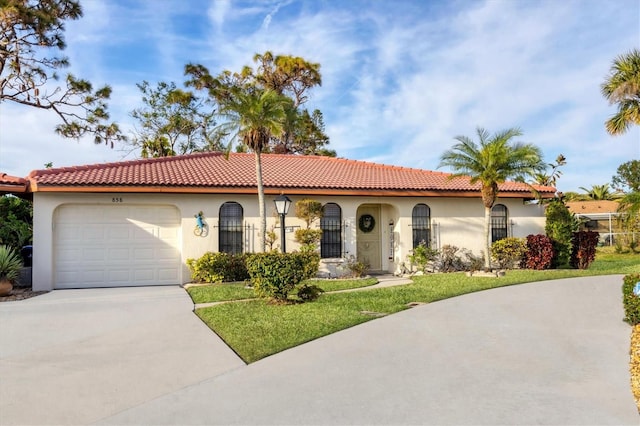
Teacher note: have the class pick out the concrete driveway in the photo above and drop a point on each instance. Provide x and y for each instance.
(553, 352)
(77, 356)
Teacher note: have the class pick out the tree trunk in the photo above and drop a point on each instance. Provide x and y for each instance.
(261, 203)
(487, 237)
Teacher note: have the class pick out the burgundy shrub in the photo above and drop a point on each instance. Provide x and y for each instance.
(584, 248)
(539, 253)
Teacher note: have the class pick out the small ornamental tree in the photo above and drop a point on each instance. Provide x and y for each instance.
(560, 226)
(309, 211)
(539, 252)
(584, 249)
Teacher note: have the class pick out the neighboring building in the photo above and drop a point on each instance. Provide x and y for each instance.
(598, 215)
(132, 223)
(12, 184)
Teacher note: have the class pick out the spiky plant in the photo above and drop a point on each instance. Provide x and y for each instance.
(10, 264)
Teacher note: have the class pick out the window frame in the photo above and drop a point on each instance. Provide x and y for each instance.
(421, 225)
(331, 240)
(499, 223)
(231, 228)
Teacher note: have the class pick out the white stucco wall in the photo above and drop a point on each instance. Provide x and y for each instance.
(456, 221)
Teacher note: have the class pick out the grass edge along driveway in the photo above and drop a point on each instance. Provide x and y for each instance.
(255, 329)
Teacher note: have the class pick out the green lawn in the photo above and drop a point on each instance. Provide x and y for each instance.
(220, 292)
(238, 291)
(256, 329)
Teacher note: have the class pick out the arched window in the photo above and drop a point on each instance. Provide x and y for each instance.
(498, 222)
(230, 229)
(420, 224)
(331, 225)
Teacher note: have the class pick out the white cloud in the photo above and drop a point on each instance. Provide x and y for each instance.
(400, 79)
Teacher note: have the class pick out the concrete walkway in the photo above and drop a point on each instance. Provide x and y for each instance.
(552, 352)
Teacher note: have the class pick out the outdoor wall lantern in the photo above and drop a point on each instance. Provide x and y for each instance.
(282, 203)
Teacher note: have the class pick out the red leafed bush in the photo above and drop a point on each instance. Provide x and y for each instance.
(539, 253)
(584, 248)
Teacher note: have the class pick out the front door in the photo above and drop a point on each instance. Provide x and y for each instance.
(368, 236)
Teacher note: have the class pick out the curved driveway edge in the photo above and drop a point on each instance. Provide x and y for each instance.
(76, 356)
(553, 352)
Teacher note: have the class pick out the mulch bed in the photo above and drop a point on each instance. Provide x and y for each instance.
(21, 293)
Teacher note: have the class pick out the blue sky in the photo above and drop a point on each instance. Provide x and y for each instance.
(401, 79)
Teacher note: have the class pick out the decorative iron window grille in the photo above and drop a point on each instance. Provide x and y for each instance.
(331, 225)
(230, 231)
(420, 224)
(499, 222)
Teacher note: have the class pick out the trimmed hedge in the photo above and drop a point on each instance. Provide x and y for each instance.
(275, 275)
(631, 301)
(218, 267)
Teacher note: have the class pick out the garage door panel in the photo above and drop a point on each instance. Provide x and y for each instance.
(92, 232)
(119, 276)
(165, 254)
(167, 274)
(120, 246)
(93, 276)
(145, 275)
(120, 233)
(143, 254)
(68, 254)
(119, 254)
(93, 254)
(146, 234)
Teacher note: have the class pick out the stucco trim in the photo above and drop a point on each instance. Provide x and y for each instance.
(275, 191)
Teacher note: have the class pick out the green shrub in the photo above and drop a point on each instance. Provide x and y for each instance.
(309, 293)
(16, 221)
(10, 264)
(311, 262)
(422, 256)
(584, 249)
(275, 275)
(216, 267)
(508, 252)
(539, 252)
(631, 301)
(560, 226)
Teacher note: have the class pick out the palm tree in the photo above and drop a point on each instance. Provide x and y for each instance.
(599, 192)
(623, 87)
(492, 162)
(256, 115)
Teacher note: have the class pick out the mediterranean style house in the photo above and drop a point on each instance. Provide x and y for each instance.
(135, 222)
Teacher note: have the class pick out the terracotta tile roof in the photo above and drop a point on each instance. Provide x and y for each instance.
(280, 172)
(590, 207)
(12, 184)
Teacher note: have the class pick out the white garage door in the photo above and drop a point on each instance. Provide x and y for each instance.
(115, 246)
